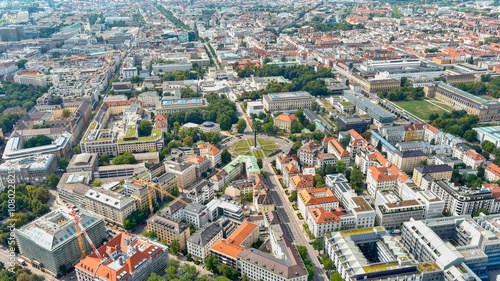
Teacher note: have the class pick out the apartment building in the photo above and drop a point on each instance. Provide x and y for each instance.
(113, 206)
(51, 242)
(300, 181)
(492, 173)
(437, 172)
(486, 110)
(168, 229)
(461, 200)
(321, 221)
(284, 121)
(407, 160)
(29, 170)
(316, 198)
(289, 171)
(30, 78)
(263, 201)
(287, 101)
(358, 212)
(211, 152)
(200, 191)
(185, 173)
(391, 210)
(335, 148)
(124, 258)
(414, 132)
(308, 153)
(242, 163)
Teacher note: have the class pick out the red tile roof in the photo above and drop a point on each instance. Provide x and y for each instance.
(287, 118)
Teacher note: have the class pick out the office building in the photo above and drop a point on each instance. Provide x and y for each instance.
(29, 170)
(51, 242)
(194, 213)
(458, 241)
(175, 105)
(227, 250)
(372, 253)
(12, 33)
(287, 101)
(200, 243)
(168, 229)
(83, 162)
(354, 122)
(358, 212)
(60, 147)
(223, 208)
(284, 121)
(486, 110)
(30, 78)
(242, 164)
(72, 187)
(254, 107)
(185, 173)
(300, 182)
(124, 258)
(201, 164)
(437, 172)
(113, 206)
(490, 133)
(381, 118)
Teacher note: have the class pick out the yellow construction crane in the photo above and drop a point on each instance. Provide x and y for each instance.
(76, 58)
(80, 240)
(149, 186)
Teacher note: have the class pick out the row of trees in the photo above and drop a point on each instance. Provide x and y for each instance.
(18, 273)
(186, 272)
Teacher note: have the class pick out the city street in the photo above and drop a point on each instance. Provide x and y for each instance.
(287, 217)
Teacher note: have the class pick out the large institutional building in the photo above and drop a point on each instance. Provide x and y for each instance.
(287, 101)
(51, 242)
(470, 244)
(29, 170)
(105, 136)
(124, 258)
(486, 110)
(372, 253)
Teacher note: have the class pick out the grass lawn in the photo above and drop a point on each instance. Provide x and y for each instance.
(488, 97)
(241, 143)
(263, 142)
(420, 108)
